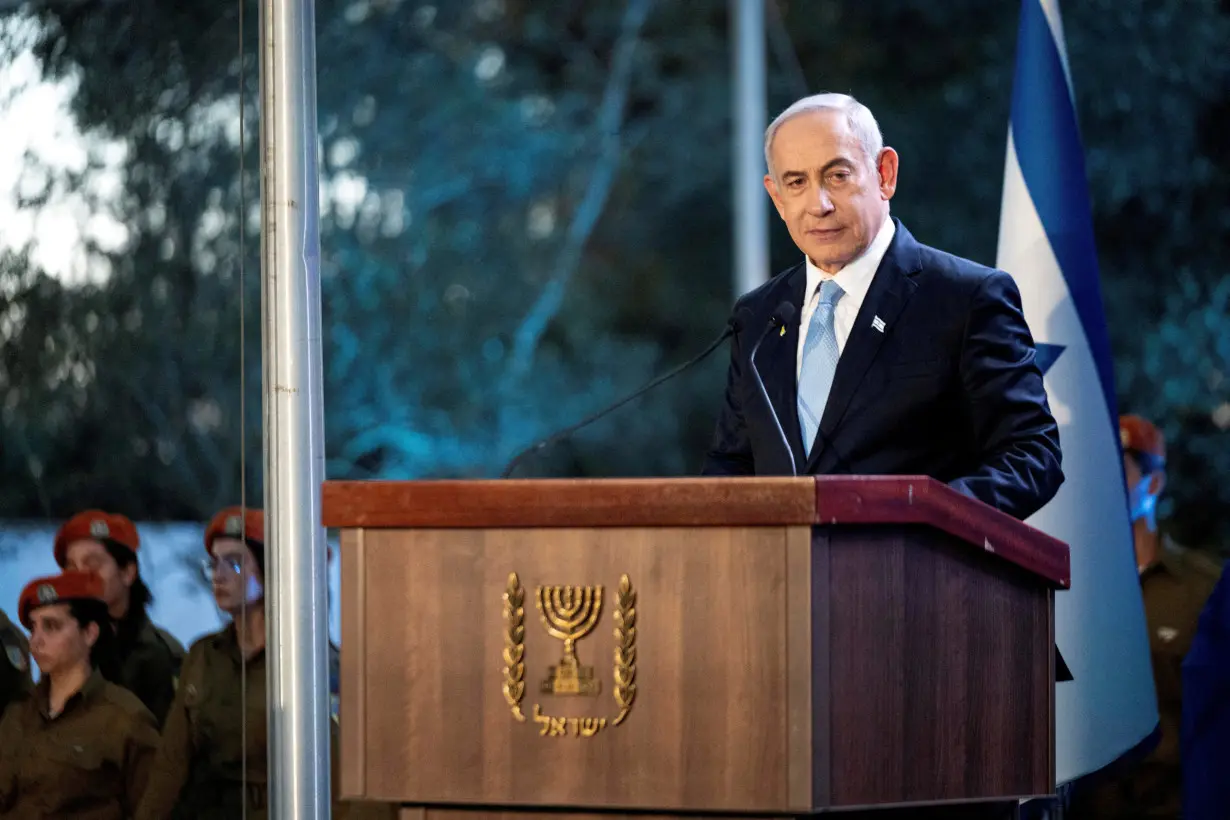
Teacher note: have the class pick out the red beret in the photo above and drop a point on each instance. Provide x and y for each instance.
(58, 589)
(234, 522)
(96, 525)
(1136, 433)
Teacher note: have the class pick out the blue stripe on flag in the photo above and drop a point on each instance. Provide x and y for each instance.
(1048, 148)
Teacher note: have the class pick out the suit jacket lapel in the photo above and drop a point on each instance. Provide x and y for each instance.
(890, 289)
(777, 360)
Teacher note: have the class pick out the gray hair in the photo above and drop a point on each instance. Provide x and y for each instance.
(862, 123)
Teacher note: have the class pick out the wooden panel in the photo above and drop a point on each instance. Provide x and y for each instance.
(939, 672)
(821, 665)
(708, 729)
(534, 814)
(922, 500)
(569, 503)
(799, 703)
(1046, 694)
(351, 713)
(947, 811)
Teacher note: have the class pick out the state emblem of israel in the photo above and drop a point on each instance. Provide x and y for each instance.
(569, 614)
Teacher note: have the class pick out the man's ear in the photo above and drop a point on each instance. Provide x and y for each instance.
(771, 186)
(886, 167)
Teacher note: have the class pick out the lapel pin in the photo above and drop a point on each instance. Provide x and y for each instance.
(782, 332)
(878, 324)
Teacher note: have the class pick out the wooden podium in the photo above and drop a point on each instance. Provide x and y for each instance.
(694, 647)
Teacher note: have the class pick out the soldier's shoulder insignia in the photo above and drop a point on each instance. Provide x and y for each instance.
(16, 657)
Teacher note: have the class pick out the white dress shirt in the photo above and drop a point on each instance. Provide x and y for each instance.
(854, 280)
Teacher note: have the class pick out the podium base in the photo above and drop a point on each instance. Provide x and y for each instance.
(948, 811)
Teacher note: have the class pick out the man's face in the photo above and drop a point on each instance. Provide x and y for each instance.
(236, 576)
(832, 197)
(57, 641)
(91, 556)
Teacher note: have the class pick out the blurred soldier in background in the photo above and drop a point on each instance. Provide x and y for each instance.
(146, 659)
(213, 758)
(79, 746)
(213, 761)
(1175, 583)
(15, 681)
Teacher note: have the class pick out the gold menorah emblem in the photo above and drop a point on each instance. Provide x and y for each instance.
(570, 613)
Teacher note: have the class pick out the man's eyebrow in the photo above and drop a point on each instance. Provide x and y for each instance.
(828, 166)
(836, 161)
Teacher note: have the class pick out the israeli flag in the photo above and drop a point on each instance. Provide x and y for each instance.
(1046, 243)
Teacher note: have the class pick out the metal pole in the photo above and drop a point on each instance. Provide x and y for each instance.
(296, 587)
(750, 202)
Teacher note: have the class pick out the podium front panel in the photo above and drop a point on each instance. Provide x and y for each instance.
(639, 668)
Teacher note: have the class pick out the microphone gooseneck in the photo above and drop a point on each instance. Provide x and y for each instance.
(733, 326)
(782, 317)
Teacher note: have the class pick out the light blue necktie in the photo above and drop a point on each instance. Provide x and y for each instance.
(820, 356)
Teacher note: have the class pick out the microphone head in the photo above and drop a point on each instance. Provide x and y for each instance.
(784, 314)
(741, 319)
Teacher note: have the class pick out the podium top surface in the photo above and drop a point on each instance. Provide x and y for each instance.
(694, 502)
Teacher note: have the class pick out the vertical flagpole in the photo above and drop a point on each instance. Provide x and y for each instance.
(294, 458)
(751, 216)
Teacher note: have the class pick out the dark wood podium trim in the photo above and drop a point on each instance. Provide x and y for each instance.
(923, 500)
(693, 502)
(650, 502)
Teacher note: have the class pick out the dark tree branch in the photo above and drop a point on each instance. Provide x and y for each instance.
(609, 126)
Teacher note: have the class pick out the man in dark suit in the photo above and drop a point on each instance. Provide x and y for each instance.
(903, 359)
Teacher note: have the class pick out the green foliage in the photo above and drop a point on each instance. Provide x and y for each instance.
(526, 215)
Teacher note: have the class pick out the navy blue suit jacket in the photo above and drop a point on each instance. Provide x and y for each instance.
(949, 388)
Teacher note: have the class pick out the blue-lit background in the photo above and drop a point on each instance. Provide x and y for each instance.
(527, 214)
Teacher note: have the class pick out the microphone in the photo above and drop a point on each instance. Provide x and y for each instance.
(733, 326)
(782, 317)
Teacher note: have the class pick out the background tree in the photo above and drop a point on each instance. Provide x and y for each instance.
(527, 214)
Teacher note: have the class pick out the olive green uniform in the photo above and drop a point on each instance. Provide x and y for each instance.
(1175, 590)
(15, 681)
(211, 763)
(90, 762)
(148, 664)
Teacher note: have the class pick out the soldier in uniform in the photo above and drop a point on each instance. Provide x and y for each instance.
(1175, 583)
(1206, 712)
(78, 747)
(15, 680)
(147, 658)
(213, 758)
